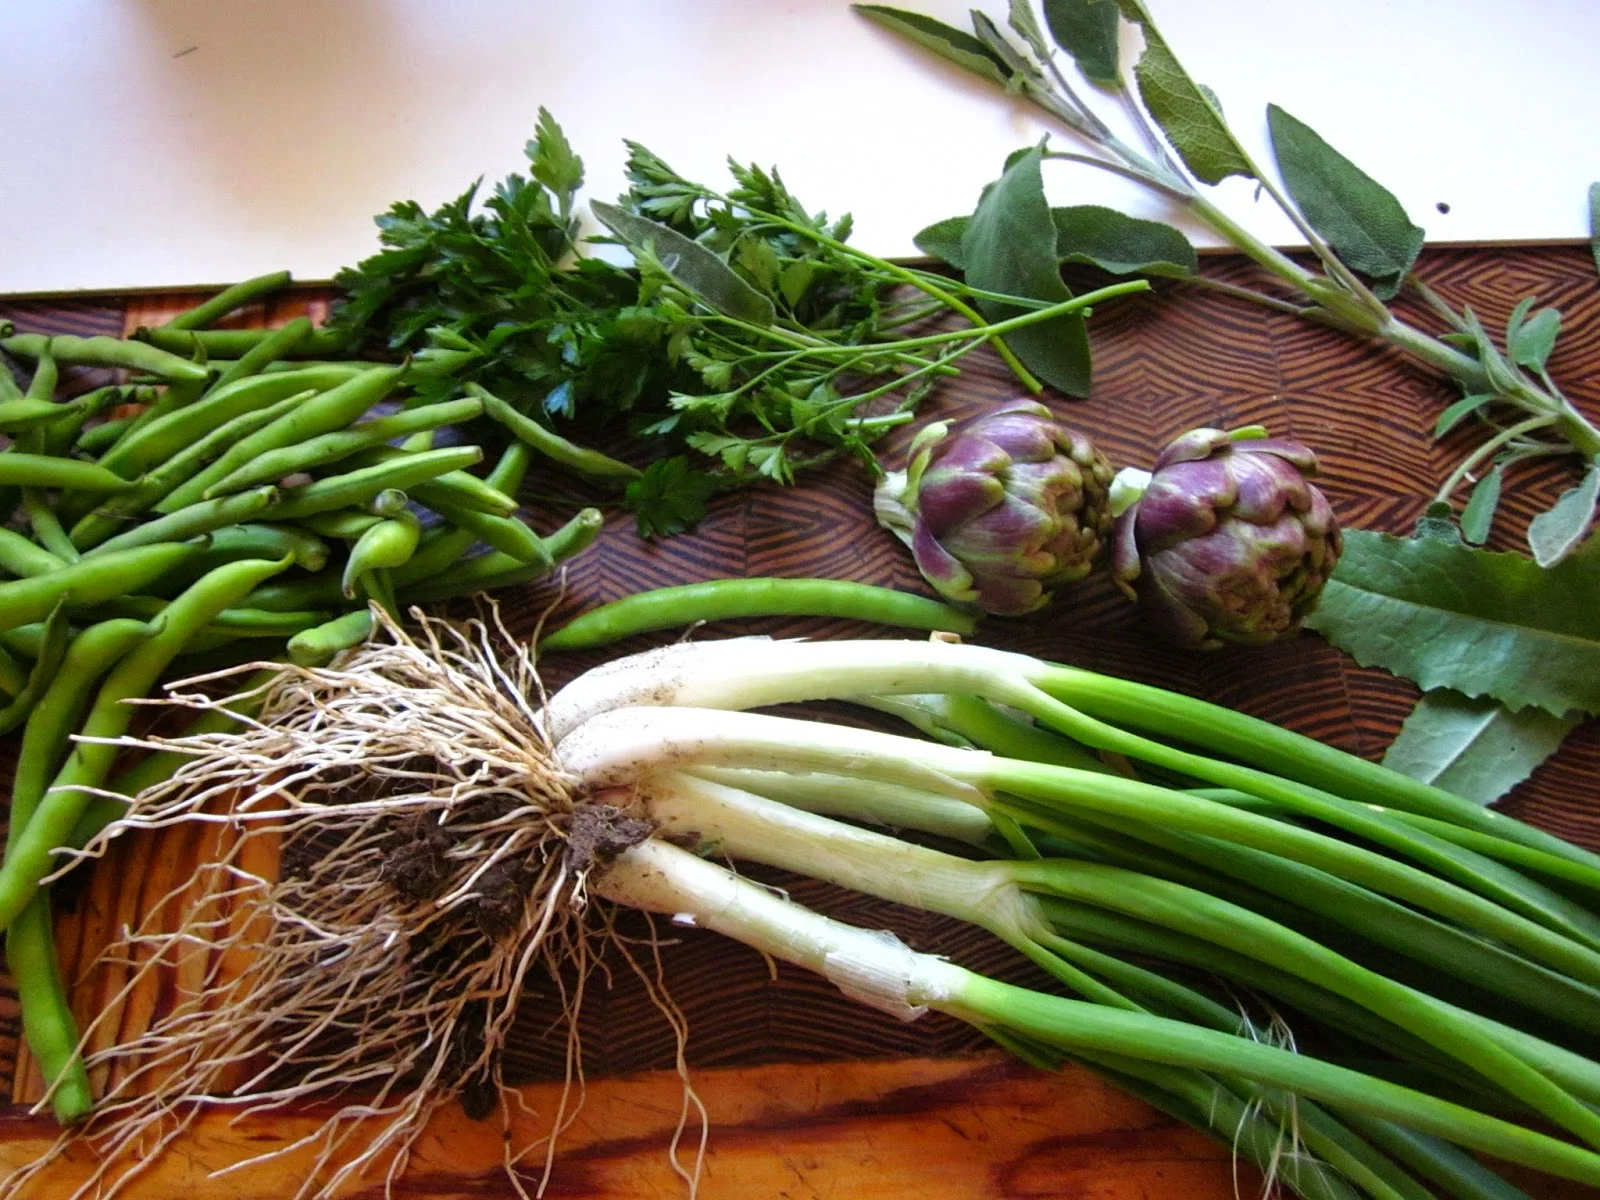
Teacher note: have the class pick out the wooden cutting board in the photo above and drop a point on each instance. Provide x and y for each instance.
(809, 1093)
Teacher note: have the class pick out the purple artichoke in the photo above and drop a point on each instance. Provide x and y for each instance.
(1002, 508)
(1229, 541)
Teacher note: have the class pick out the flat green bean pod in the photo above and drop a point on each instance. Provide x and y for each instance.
(496, 569)
(503, 533)
(190, 522)
(334, 409)
(463, 487)
(721, 599)
(102, 351)
(278, 344)
(552, 445)
(359, 486)
(228, 299)
(92, 581)
(41, 470)
(57, 636)
(113, 515)
(236, 343)
(387, 544)
(23, 557)
(273, 465)
(317, 646)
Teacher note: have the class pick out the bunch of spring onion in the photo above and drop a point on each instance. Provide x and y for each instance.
(445, 838)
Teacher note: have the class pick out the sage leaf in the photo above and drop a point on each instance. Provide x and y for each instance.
(1474, 748)
(1019, 15)
(1530, 345)
(1438, 521)
(1482, 623)
(1357, 216)
(1191, 120)
(1555, 534)
(1479, 513)
(1594, 223)
(1087, 30)
(1123, 245)
(1087, 233)
(989, 34)
(690, 264)
(1009, 245)
(1519, 314)
(1459, 411)
(948, 42)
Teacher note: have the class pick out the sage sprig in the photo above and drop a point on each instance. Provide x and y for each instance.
(1364, 243)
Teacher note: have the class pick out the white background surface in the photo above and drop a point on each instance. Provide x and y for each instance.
(171, 142)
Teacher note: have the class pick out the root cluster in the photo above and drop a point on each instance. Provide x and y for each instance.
(431, 856)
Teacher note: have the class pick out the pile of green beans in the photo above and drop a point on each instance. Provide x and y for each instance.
(224, 501)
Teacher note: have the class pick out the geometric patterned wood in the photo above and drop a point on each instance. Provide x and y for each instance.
(1165, 362)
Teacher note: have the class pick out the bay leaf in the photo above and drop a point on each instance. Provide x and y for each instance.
(696, 268)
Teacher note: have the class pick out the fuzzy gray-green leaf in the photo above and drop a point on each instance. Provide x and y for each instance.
(1479, 513)
(1357, 216)
(1554, 534)
(1482, 623)
(1087, 233)
(1532, 341)
(1192, 123)
(1474, 748)
(690, 264)
(1459, 411)
(1087, 30)
(1009, 246)
(942, 240)
(1123, 245)
(948, 42)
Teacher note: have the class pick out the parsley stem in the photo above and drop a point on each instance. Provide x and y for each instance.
(916, 279)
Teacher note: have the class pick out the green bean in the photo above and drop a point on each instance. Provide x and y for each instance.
(60, 435)
(102, 351)
(497, 570)
(47, 1021)
(320, 591)
(720, 599)
(30, 853)
(26, 640)
(359, 486)
(178, 394)
(443, 546)
(13, 679)
(21, 556)
(464, 489)
(19, 416)
(161, 439)
(8, 379)
(387, 544)
(96, 579)
(230, 624)
(417, 442)
(506, 534)
(278, 344)
(390, 502)
(316, 452)
(94, 527)
(190, 522)
(332, 410)
(57, 634)
(225, 301)
(236, 343)
(551, 445)
(346, 525)
(46, 527)
(104, 435)
(317, 647)
(46, 375)
(40, 470)
(310, 552)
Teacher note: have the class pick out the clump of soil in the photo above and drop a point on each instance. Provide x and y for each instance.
(597, 833)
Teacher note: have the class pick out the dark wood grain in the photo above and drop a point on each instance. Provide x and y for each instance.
(1166, 362)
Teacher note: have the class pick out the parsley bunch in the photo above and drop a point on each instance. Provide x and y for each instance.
(748, 342)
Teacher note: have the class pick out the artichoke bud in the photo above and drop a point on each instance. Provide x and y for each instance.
(1229, 541)
(1001, 509)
